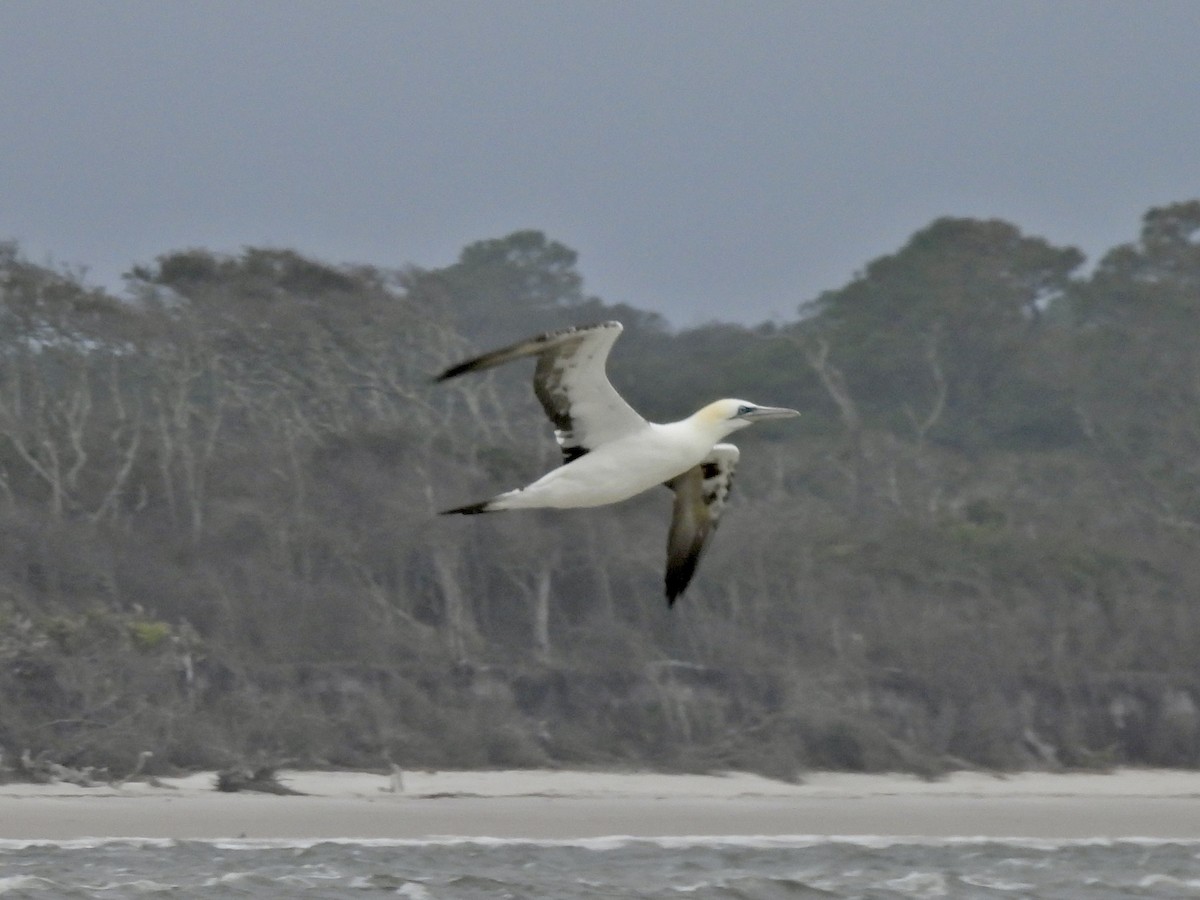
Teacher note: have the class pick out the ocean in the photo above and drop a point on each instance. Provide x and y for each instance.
(699, 868)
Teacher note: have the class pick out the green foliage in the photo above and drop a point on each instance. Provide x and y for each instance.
(149, 636)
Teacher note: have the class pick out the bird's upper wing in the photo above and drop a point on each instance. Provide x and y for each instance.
(571, 384)
(700, 495)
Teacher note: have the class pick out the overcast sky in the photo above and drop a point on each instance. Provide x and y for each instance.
(709, 160)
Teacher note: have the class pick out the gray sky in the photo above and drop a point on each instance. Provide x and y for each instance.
(708, 160)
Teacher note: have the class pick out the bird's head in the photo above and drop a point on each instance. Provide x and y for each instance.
(728, 416)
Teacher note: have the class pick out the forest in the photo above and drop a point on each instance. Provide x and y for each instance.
(978, 547)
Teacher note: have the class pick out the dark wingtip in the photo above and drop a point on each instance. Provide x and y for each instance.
(450, 373)
(468, 510)
(674, 591)
(678, 577)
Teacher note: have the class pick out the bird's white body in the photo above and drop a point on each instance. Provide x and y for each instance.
(623, 468)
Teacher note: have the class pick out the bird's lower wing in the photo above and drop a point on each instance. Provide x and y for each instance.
(700, 495)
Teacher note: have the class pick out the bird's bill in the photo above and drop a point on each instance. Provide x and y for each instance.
(771, 412)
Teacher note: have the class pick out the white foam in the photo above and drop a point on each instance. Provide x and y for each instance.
(137, 886)
(1190, 885)
(25, 883)
(616, 841)
(996, 884)
(87, 843)
(226, 878)
(920, 884)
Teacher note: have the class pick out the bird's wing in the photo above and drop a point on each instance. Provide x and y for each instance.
(700, 495)
(571, 384)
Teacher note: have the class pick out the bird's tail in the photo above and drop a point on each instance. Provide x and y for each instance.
(470, 509)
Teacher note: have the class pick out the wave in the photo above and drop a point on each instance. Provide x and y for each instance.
(26, 883)
(87, 843)
(610, 842)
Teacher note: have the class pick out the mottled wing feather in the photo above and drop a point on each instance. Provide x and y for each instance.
(571, 384)
(575, 392)
(700, 495)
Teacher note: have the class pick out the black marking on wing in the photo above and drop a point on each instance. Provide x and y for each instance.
(549, 385)
(700, 496)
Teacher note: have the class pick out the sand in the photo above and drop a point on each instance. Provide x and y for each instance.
(579, 804)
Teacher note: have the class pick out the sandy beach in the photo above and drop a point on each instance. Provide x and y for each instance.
(579, 804)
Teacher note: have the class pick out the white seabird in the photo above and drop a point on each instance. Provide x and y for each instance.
(611, 453)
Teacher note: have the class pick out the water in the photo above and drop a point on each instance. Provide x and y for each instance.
(702, 868)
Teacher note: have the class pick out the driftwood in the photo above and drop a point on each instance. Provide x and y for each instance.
(264, 779)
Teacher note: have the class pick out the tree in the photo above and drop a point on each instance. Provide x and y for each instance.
(503, 288)
(70, 417)
(950, 320)
(1137, 371)
(220, 497)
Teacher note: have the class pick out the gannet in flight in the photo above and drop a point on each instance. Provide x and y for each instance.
(611, 453)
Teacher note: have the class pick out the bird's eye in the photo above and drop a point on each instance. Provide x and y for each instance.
(743, 409)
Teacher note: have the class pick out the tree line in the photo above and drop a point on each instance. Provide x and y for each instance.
(219, 540)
